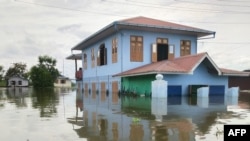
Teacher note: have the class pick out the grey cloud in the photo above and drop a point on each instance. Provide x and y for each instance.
(70, 28)
(74, 29)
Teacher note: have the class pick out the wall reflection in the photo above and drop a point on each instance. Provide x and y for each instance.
(145, 118)
(119, 118)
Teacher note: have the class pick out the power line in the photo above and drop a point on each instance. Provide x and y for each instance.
(201, 22)
(119, 15)
(239, 43)
(208, 3)
(143, 4)
(234, 1)
(69, 9)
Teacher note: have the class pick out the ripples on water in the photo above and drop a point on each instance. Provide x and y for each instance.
(51, 114)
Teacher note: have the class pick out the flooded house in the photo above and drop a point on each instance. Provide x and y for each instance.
(18, 81)
(126, 55)
(62, 81)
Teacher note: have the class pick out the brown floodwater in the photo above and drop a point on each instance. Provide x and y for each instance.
(63, 114)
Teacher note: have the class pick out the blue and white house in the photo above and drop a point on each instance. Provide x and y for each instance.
(126, 55)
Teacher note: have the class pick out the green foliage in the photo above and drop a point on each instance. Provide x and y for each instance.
(44, 74)
(2, 83)
(18, 69)
(1, 72)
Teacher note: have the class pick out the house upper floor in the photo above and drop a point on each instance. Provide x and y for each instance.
(133, 42)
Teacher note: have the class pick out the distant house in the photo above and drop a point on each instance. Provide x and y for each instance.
(127, 54)
(62, 81)
(18, 81)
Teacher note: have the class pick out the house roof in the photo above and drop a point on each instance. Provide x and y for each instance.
(229, 72)
(180, 65)
(19, 77)
(142, 24)
(62, 77)
(149, 22)
(75, 57)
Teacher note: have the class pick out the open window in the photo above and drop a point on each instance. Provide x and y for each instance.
(102, 55)
(162, 50)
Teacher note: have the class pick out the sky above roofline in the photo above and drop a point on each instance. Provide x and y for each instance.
(30, 28)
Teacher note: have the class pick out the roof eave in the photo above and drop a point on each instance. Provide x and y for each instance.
(233, 74)
(195, 31)
(113, 27)
(109, 29)
(74, 57)
(148, 73)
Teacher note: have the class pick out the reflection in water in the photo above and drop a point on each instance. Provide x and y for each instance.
(46, 100)
(143, 118)
(136, 132)
(17, 95)
(123, 119)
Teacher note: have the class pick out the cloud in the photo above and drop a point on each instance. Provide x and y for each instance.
(30, 28)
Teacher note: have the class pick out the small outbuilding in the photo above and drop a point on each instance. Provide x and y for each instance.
(18, 81)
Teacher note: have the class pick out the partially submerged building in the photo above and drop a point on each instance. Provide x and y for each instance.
(62, 81)
(18, 81)
(127, 54)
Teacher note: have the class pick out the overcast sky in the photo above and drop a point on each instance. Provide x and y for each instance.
(30, 28)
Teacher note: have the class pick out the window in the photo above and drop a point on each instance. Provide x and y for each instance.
(185, 47)
(63, 81)
(114, 50)
(13, 82)
(136, 48)
(102, 55)
(19, 82)
(162, 41)
(85, 60)
(92, 57)
(162, 50)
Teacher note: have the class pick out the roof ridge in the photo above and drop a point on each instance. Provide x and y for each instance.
(191, 55)
(129, 20)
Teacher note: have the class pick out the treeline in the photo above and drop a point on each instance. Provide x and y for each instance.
(41, 75)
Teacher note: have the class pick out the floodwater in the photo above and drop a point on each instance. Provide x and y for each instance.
(59, 114)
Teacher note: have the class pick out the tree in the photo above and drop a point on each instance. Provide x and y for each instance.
(18, 69)
(1, 72)
(44, 73)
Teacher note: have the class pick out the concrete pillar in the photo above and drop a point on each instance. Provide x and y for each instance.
(159, 87)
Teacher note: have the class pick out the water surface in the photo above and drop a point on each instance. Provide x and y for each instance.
(59, 114)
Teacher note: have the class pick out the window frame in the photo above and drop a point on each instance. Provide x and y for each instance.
(102, 55)
(114, 50)
(185, 49)
(93, 57)
(136, 48)
(85, 61)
